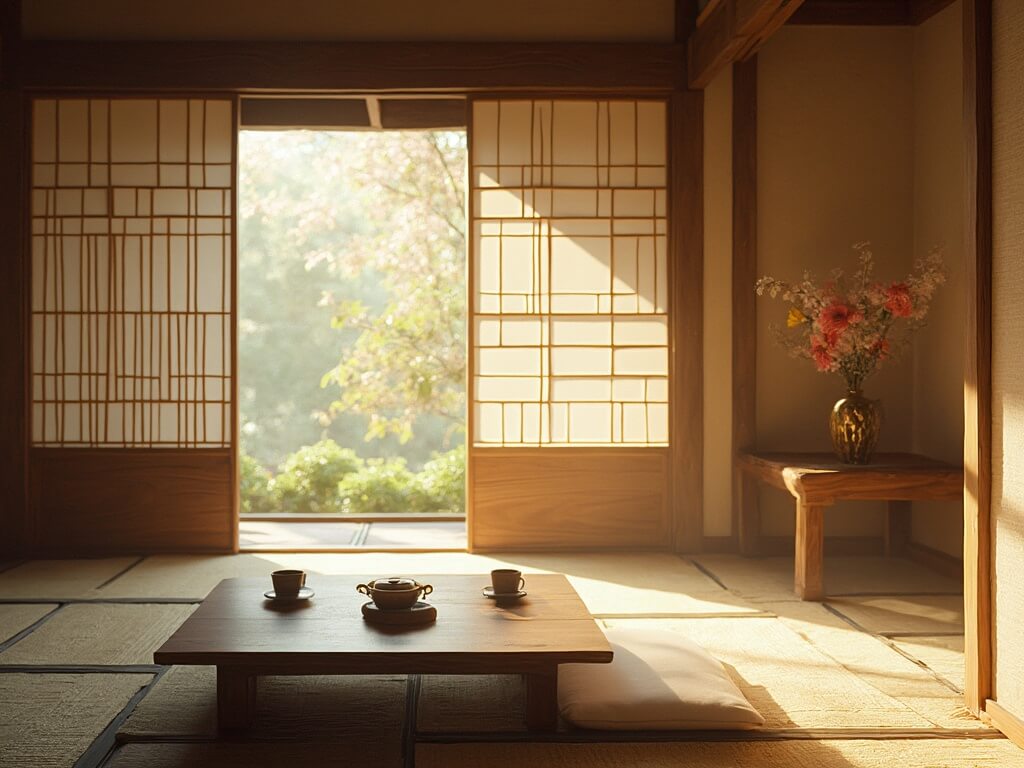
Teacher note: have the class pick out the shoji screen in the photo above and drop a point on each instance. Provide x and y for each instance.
(570, 324)
(131, 320)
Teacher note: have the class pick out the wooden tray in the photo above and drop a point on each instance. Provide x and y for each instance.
(420, 613)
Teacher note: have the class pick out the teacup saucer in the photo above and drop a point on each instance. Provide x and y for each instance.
(304, 594)
(500, 596)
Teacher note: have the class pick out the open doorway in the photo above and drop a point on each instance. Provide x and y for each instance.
(351, 339)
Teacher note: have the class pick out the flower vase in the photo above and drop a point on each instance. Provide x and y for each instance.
(855, 423)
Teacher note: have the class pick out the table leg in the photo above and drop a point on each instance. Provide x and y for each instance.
(808, 581)
(236, 699)
(542, 700)
(749, 514)
(897, 528)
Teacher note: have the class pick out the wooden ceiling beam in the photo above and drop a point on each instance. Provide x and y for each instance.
(341, 67)
(896, 13)
(730, 31)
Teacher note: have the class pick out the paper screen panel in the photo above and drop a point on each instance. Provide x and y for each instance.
(570, 275)
(132, 272)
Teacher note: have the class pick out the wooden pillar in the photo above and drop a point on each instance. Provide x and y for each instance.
(745, 515)
(977, 51)
(236, 699)
(686, 236)
(13, 289)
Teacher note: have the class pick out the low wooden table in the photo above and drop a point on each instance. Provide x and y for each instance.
(817, 480)
(245, 637)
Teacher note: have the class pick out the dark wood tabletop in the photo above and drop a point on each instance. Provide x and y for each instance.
(235, 625)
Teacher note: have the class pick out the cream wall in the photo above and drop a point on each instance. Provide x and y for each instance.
(349, 20)
(718, 306)
(835, 167)
(1008, 352)
(939, 221)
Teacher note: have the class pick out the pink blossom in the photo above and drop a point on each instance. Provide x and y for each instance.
(821, 352)
(835, 317)
(898, 301)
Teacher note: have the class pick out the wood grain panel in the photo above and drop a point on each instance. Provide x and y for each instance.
(352, 66)
(423, 113)
(570, 499)
(111, 501)
(304, 113)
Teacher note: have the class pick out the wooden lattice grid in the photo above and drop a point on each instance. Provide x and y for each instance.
(570, 330)
(132, 269)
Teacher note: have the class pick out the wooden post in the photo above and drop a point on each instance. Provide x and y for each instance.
(897, 528)
(745, 517)
(977, 51)
(542, 700)
(808, 582)
(236, 699)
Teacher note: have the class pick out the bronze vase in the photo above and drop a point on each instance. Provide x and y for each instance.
(855, 423)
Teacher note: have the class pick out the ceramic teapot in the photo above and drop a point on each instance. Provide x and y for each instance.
(394, 592)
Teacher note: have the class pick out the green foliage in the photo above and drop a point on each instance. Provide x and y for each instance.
(442, 482)
(380, 486)
(254, 485)
(307, 481)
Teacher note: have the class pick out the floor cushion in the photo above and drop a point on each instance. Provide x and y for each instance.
(658, 680)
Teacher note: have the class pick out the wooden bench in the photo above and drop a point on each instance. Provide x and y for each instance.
(818, 480)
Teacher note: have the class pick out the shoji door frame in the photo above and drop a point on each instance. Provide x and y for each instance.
(182, 493)
(597, 70)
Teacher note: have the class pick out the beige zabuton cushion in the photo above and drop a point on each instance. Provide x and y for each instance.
(658, 681)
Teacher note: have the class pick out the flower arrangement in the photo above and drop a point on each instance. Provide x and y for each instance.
(848, 324)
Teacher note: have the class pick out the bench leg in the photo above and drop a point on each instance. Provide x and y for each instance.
(897, 528)
(236, 699)
(749, 515)
(808, 578)
(542, 700)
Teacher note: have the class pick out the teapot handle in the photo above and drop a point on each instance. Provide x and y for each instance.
(363, 589)
(427, 589)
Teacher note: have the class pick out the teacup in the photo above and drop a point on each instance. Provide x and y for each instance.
(288, 582)
(507, 581)
(395, 592)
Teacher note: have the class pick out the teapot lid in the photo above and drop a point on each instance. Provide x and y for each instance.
(394, 583)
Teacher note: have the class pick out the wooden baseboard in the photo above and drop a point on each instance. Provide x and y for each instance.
(935, 560)
(1007, 722)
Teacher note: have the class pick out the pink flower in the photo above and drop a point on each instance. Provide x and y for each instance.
(835, 317)
(821, 352)
(897, 300)
(880, 349)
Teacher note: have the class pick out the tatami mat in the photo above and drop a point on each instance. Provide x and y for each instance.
(928, 614)
(609, 583)
(877, 663)
(99, 634)
(471, 703)
(789, 681)
(190, 576)
(16, 617)
(248, 755)
(853, 753)
(943, 654)
(771, 578)
(52, 579)
(338, 708)
(49, 720)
